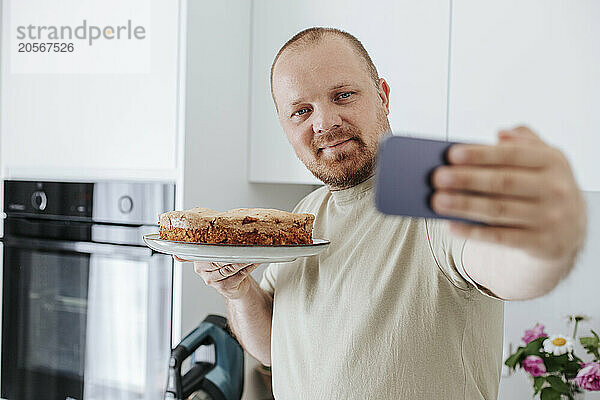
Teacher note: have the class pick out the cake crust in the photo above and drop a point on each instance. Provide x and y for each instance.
(248, 226)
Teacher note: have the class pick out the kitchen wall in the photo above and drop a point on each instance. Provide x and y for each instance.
(216, 145)
(577, 294)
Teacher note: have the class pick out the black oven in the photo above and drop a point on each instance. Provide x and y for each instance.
(86, 307)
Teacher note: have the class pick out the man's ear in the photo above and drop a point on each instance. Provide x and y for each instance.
(384, 94)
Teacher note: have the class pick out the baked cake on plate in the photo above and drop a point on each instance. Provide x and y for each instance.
(256, 226)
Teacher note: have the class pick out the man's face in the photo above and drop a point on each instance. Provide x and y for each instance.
(331, 110)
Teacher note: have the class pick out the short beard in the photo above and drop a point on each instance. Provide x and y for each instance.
(350, 168)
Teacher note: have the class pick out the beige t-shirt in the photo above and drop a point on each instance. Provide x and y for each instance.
(386, 312)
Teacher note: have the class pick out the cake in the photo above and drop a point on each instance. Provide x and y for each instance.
(257, 226)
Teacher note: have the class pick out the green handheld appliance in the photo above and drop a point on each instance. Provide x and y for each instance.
(219, 375)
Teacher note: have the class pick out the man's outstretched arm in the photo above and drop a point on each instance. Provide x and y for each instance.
(525, 193)
(512, 274)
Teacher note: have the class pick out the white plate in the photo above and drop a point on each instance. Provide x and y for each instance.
(232, 253)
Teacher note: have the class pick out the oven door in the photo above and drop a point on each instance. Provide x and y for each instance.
(83, 320)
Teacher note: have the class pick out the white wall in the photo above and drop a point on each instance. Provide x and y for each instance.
(577, 294)
(408, 43)
(217, 139)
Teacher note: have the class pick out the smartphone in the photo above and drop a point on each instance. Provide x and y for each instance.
(403, 181)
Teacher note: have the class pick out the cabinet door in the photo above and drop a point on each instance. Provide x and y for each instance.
(533, 62)
(407, 40)
(72, 121)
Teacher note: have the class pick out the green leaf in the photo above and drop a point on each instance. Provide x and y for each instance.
(591, 344)
(576, 359)
(533, 347)
(549, 393)
(571, 370)
(556, 363)
(591, 340)
(588, 341)
(538, 382)
(558, 384)
(512, 361)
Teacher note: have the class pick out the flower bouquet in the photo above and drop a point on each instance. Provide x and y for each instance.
(556, 371)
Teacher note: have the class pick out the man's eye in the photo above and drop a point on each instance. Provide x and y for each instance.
(301, 111)
(344, 95)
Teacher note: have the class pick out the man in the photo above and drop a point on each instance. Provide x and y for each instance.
(397, 308)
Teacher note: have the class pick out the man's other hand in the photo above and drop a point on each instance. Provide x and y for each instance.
(230, 280)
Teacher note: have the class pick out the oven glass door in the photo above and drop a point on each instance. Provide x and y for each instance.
(88, 321)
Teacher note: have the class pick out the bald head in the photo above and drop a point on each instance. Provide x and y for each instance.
(314, 36)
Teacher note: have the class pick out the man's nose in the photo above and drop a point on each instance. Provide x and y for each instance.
(325, 119)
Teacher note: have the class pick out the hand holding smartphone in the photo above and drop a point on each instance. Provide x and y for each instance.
(403, 181)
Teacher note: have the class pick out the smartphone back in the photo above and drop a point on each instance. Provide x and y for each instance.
(404, 168)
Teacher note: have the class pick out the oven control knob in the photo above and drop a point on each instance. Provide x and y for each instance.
(125, 204)
(39, 200)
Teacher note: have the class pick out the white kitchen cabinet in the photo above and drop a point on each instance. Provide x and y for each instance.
(120, 124)
(534, 62)
(407, 41)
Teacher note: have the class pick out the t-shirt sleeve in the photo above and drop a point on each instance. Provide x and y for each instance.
(448, 251)
(269, 278)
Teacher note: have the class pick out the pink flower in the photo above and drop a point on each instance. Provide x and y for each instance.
(534, 365)
(588, 377)
(536, 332)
